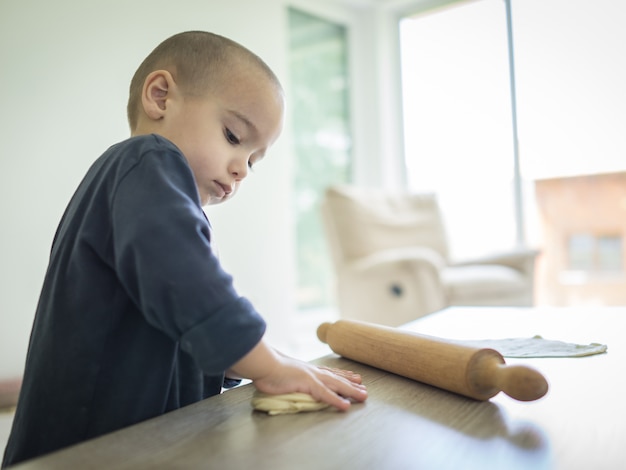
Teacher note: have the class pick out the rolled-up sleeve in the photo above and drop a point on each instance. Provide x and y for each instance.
(163, 256)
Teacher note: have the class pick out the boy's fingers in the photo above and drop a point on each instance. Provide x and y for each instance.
(340, 391)
(347, 374)
(357, 392)
(326, 395)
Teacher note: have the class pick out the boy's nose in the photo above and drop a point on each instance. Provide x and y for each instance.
(239, 168)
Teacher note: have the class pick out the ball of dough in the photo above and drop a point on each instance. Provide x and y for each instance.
(287, 403)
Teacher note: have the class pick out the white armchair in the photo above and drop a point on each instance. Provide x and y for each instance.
(392, 265)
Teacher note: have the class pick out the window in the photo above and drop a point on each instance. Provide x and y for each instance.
(320, 119)
(581, 252)
(458, 121)
(610, 254)
(570, 68)
(595, 254)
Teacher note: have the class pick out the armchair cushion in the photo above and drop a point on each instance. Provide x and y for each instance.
(484, 284)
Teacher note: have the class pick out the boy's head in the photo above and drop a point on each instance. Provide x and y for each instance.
(214, 99)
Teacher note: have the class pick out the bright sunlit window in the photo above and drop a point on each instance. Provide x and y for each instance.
(570, 70)
(458, 121)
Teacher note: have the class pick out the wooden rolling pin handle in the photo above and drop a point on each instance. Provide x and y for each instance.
(521, 382)
(488, 374)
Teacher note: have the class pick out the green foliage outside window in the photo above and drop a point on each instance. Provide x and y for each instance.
(319, 110)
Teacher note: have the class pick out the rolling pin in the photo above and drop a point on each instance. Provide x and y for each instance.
(473, 372)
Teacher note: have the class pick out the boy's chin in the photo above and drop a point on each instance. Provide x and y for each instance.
(213, 200)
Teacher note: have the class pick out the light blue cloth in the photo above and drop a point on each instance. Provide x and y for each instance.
(537, 346)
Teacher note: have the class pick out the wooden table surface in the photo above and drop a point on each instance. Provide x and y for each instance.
(579, 424)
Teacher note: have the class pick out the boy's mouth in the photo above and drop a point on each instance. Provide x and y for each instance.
(226, 189)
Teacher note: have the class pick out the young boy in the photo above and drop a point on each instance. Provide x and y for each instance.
(136, 317)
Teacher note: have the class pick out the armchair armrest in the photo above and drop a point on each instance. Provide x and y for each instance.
(522, 259)
(391, 287)
(409, 255)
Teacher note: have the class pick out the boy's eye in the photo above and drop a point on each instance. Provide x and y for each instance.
(230, 137)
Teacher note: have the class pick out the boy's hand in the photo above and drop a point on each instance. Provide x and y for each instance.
(275, 374)
(334, 387)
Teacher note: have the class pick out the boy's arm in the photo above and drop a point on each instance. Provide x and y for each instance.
(275, 373)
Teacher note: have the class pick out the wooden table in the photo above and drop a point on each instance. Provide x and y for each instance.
(579, 424)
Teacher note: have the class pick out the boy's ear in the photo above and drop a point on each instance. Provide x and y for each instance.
(157, 90)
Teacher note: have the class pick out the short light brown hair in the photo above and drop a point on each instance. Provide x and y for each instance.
(197, 61)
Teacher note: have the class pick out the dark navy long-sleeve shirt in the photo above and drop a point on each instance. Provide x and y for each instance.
(136, 317)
